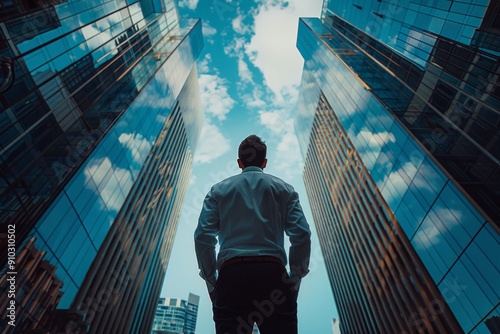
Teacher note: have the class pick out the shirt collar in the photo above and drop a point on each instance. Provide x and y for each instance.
(252, 169)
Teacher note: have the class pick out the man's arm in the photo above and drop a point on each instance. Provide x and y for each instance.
(297, 229)
(205, 241)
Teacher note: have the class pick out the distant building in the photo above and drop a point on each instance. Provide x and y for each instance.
(336, 326)
(398, 121)
(176, 316)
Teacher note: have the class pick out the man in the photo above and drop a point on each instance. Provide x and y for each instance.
(250, 213)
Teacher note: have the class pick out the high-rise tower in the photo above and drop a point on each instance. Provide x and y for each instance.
(175, 315)
(398, 121)
(99, 117)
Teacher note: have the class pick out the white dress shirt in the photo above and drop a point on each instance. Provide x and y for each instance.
(250, 213)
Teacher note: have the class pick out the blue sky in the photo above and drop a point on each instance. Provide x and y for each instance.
(249, 73)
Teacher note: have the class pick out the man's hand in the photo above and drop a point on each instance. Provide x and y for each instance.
(295, 281)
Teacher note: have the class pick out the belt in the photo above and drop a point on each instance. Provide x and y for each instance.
(251, 259)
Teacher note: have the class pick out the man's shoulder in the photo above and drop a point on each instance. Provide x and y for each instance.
(277, 179)
(272, 179)
(227, 181)
(284, 185)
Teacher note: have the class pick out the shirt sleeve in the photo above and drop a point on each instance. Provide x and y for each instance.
(205, 240)
(297, 229)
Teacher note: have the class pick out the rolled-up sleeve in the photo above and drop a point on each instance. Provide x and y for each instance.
(297, 229)
(205, 240)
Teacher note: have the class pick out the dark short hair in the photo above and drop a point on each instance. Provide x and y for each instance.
(252, 151)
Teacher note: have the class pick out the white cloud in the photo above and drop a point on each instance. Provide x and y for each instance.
(204, 64)
(191, 4)
(212, 144)
(217, 103)
(208, 31)
(243, 70)
(272, 50)
(393, 186)
(161, 119)
(431, 231)
(288, 159)
(278, 121)
(95, 36)
(376, 140)
(138, 145)
(214, 96)
(254, 100)
(369, 144)
(238, 25)
(236, 48)
(280, 63)
(97, 170)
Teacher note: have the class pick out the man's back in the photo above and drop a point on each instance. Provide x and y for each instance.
(252, 214)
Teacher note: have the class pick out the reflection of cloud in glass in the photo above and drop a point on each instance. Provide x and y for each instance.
(429, 179)
(398, 183)
(375, 140)
(412, 45)
(95, 37)
(391, 41)
(99, 36)
(138, 145)
(111, 188)
(367, 142)
(161, 119)
(432, 230)
(309, 90)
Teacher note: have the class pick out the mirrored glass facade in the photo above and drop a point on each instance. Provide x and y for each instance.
(398, 120)
(99, 117)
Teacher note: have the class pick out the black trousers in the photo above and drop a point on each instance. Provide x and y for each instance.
(255, 292)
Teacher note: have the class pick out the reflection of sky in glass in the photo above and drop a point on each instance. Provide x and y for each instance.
(471, 287)
(82, 215)
(306, 106)
(390, 22)
(79, 36)
(432, 212)
(395, 166)
(458, 248)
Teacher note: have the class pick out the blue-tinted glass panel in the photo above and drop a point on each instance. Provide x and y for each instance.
(429, 181)
(51, 221)
(467, 292)
(410, 213)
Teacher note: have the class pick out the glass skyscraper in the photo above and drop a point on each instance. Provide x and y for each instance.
(99, 117)
(175, 315)
(399, 124)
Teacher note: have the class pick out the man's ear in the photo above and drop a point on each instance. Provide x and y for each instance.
(240, 164)
(264, 164)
